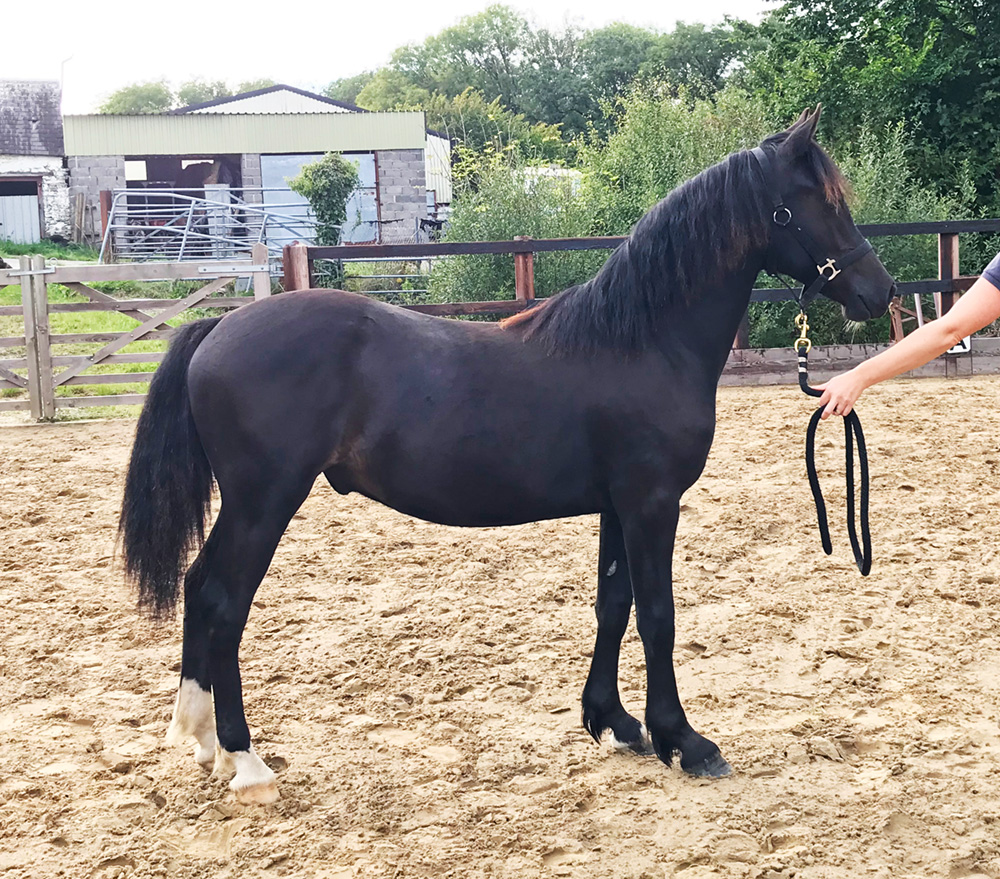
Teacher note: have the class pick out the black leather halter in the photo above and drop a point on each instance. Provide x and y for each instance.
(827, 267)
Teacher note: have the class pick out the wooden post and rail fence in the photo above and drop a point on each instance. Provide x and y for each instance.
(299, 260)
(35, 377)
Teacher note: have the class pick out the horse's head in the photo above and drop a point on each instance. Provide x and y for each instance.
(813, 236)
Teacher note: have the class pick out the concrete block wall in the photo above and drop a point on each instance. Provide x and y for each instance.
(402, 192)
(56, 214)
(91, 175)
(252, 178)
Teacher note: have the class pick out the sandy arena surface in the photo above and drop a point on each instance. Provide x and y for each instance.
(417, 687)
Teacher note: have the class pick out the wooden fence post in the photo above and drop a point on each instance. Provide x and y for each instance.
(524, 273)
(261, 280)
(947, 266)
(295, 264)
(30, 337)
(35, 302)
(896, 319)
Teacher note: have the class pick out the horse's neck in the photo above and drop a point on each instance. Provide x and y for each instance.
(706, 325)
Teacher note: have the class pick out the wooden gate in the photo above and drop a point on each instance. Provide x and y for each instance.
(36, 368)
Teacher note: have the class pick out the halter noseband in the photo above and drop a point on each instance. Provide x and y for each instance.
(827, 268)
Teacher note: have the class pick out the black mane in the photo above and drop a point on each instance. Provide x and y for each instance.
(702, 229)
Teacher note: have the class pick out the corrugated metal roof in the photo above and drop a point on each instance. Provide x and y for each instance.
(210, 134)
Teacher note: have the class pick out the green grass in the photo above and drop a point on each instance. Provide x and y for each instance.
(75, 252)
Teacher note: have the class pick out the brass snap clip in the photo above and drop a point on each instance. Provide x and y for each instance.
(803, 341)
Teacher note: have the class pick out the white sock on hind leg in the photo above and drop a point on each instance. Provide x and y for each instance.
(194, 716)
(254, 781)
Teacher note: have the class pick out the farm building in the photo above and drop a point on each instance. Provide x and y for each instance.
(34, 197)
(230, 160)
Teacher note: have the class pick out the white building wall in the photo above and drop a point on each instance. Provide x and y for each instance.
(55, 189)
(274, 102)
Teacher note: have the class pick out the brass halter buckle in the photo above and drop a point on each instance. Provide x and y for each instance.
(830, 264)
(803, 341)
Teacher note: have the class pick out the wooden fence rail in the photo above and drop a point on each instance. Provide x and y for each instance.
(41, 372)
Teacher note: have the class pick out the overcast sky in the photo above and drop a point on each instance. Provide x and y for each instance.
(97, 47)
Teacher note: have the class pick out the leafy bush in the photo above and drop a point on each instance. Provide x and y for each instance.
(660, 141)
(326, 185)
(498, 198)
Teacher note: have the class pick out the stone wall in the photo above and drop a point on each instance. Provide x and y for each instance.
(91, 175)
(402, 192)
(56, 214)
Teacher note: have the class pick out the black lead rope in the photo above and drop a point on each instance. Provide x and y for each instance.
(852, 430)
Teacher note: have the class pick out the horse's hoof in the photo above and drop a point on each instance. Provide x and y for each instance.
(258, 794)
(254, 781)
(714, 766)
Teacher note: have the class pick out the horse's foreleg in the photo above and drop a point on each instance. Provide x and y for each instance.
(649, 539)
(602, 707)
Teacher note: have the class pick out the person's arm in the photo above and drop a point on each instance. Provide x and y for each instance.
(973, 311)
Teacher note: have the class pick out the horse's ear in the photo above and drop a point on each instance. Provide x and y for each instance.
(802, 134)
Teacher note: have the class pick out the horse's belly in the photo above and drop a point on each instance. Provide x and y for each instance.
(451, 490)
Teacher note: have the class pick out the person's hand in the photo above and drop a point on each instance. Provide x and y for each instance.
(840, 393)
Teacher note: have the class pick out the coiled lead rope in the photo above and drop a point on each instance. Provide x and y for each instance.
(852, 431)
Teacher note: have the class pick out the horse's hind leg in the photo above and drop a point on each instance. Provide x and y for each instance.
(602, 707)
(193, 715)
(243, 541)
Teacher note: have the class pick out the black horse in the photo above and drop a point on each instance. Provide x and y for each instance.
(612, 381)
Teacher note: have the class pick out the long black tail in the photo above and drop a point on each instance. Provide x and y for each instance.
(168, 489)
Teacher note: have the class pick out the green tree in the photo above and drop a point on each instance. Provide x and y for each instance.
(327, 185)
(553, 84)
(389, 89)
(197, 91)
(469, 119)
(612, 57)
(253, 85)
(659, 142)
(928, 62)
(348, 88)
(694, 56)
(139, 98)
